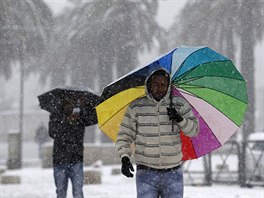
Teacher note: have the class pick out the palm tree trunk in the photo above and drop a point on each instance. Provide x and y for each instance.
(247, 67)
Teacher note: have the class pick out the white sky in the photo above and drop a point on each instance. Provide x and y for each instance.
(167, 9)
(57, 5)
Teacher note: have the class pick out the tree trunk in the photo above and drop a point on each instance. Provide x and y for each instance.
(247, 67)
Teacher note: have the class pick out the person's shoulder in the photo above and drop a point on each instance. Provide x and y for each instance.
(139, 102)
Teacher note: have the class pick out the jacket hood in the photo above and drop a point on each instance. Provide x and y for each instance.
(167, 95)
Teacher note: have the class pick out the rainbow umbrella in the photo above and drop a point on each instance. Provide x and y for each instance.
(209, 81)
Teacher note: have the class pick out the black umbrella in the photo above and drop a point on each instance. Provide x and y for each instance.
(52, 101)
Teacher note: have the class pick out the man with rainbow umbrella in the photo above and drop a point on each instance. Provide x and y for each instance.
(153, 123)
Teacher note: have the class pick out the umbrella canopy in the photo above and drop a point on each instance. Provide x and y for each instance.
(52, 100)
(209, 81)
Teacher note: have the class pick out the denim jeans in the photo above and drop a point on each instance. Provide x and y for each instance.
(64, 172)
(154, 184)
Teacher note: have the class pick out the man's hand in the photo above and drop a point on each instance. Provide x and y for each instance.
(173, 114)
(126, 167)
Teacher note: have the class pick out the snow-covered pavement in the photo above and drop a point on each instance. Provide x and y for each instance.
(38, 183)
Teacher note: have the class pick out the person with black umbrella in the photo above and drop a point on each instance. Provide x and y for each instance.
(67, 129)
(72, 109)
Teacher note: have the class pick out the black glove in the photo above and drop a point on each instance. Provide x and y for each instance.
(173, 114)
(126, 167)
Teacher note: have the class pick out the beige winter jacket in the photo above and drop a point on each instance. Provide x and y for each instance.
(147, 125)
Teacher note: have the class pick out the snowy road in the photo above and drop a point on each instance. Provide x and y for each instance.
(38, 183)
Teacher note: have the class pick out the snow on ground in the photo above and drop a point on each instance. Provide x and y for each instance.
(38, 183)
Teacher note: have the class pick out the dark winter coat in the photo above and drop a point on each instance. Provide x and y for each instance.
(68, 139)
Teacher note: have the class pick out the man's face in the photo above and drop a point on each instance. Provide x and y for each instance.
(159, 86)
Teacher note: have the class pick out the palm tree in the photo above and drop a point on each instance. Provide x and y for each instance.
(25, 27)
(200, 25)
(216, 24)
(57, 57)
(64, 56)
(97, 41)
(24, 31)
(107, 35)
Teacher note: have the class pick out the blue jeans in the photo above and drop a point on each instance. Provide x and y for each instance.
(154, 184)
(63, 172)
